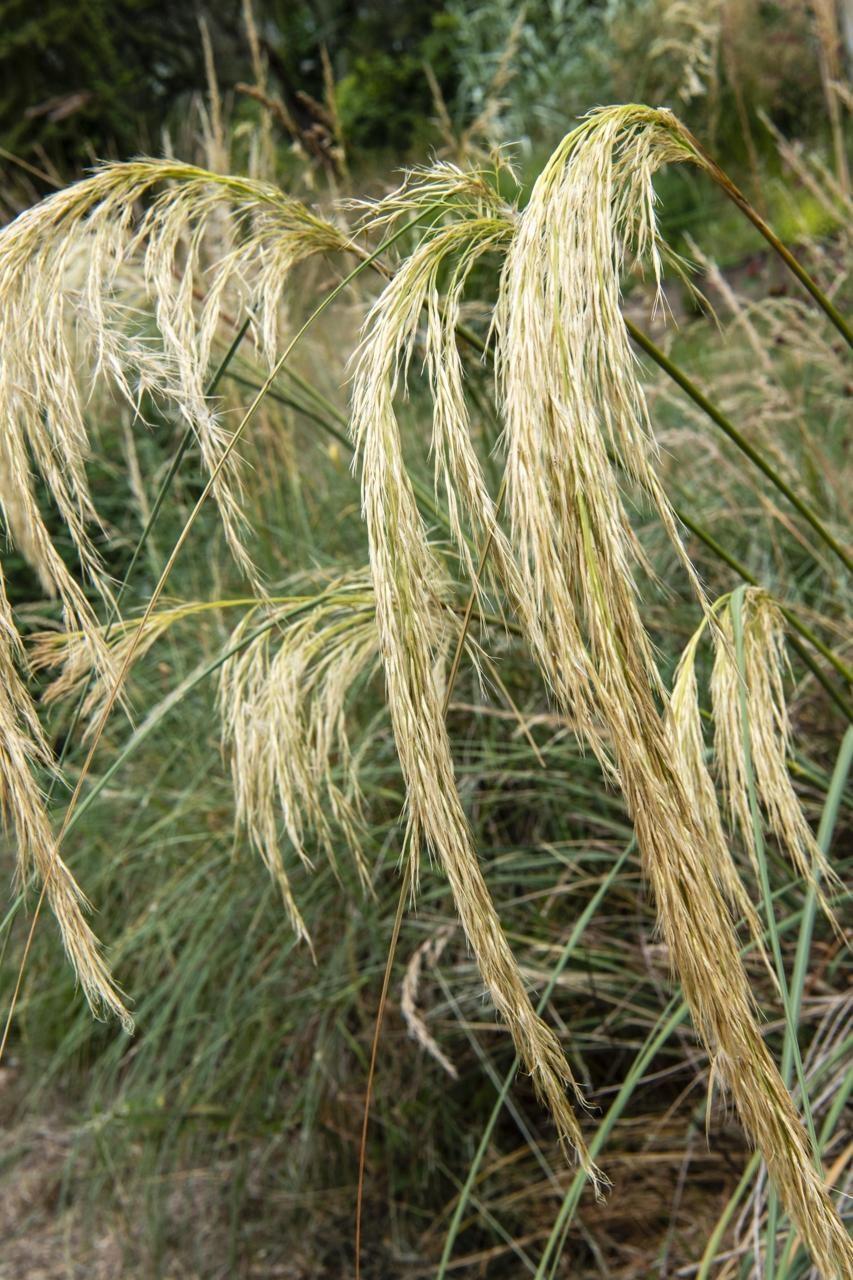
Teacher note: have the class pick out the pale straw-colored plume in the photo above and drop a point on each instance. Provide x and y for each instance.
(481, 223)
(684, 724)
(574, 410)
(761, 684)
(23, 752)
(67, 655)
(288, 669)
(572, 398)
(411, 616)
(118, 282)
(571, 395)
(71, 320)
(283, 695)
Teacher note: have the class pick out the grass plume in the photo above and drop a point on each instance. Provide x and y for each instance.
(413, 632)
(765, 663)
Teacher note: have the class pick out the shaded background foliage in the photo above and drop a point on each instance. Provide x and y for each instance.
(106, 77)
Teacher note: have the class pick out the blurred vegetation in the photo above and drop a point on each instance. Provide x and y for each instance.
(105, 77)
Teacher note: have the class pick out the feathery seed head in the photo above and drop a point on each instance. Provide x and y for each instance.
(761, 681)
(283, 693)
(411, 621)
(79, 274)
(75, 273)
(572, 400)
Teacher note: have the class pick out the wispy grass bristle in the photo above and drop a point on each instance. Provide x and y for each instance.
(283, 696)
(684, 722)
(126, 276)
(765, 663)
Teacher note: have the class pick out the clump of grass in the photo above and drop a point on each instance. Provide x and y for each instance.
(564, 571)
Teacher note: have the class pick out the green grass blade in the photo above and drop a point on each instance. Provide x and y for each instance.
(678, 376)
(566, 954)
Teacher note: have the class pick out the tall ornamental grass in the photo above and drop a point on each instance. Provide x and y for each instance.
(124, 285)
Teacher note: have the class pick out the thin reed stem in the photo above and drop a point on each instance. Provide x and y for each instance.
(405, 888)
(738, 198)
(737, 437)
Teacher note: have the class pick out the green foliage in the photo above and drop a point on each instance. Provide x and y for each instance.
(94, 77)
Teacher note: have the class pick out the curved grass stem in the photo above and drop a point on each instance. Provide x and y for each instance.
(405, 888)
(738, 438)
(793, 264)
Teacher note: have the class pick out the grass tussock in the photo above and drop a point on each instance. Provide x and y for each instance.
(129, 280)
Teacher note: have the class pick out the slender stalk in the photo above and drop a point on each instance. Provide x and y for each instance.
(398, 918)
(738, 198)
(737, 437)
